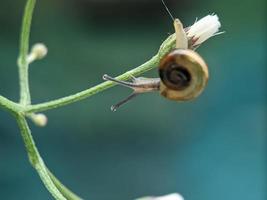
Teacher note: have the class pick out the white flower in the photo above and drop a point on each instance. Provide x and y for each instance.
(203, 29)
(174, 196)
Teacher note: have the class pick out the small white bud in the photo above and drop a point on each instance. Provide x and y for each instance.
(174, 196)
(38, 51)
(39, 119)
(203, 29)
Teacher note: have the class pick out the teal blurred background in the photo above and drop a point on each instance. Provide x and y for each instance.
(213, 148)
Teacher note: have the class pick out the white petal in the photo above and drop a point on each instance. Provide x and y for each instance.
(174, 196)
(204, 28)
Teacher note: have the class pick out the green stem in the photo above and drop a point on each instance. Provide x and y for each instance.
(63, 189)
(9, 105)
(58, 190)
(53, 185)
(23, 65)
(165, 47)
(152, 63)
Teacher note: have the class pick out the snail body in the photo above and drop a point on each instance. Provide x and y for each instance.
(183, 74)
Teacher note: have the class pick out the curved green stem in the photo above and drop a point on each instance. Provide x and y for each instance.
(58, 190)
(53, 185)
(10, 105)
(23, 65)
(24, 108)
(63, 189)
(166, 47)
(153, 62)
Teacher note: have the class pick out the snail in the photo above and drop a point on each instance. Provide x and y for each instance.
(183, 73)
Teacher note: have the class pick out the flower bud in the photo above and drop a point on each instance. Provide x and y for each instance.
(38, 51)
(39, 119)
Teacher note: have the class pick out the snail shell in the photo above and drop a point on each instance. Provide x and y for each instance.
(184, 75)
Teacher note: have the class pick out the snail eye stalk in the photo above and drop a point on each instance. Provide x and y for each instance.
(123, 83)
(138, 85)
(122, 102)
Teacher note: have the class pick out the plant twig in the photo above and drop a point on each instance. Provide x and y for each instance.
(152, 63)
(63, 189)
(57, 189)
(10, 105)
(165, 47)
(23, 65)
(210, 24)
(24, 108)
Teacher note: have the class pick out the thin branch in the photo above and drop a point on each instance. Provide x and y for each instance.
(166, 46)
(24, 108)
(152, 63)
(57, 189)
(63, 189)
(9, 105)
(23, 65)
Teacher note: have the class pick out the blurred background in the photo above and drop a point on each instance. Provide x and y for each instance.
(213, 148)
